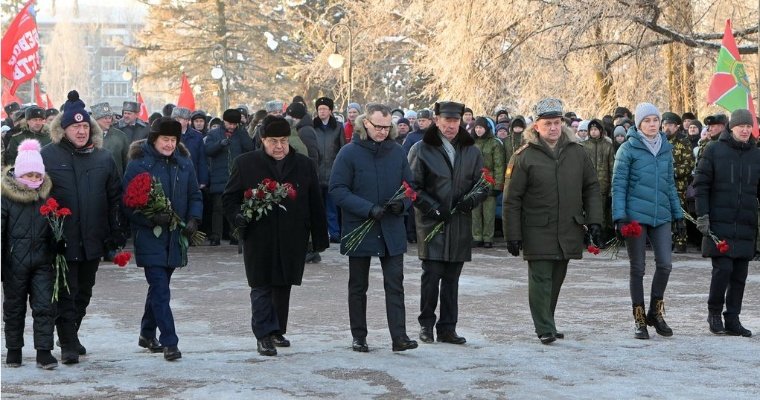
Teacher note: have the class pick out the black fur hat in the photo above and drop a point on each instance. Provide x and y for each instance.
(165, 126)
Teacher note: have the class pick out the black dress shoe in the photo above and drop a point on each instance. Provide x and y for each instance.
(487, 245)
(547, 338)
(151, 344)
(280, 341)
(265, 346)
(451, 337)
(403, 343)
(172, 353)
(426, 334)
(559, 335)
(360, 345)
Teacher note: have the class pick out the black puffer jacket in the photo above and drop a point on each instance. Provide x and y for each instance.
(728, 186)
(88, 182)
(26, 234)
(440, 186)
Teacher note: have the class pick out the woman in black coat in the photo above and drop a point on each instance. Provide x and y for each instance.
(728, 186)
(274, 246)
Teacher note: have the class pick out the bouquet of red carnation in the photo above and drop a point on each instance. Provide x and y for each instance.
(122, 258)
(612, 247)
(260, 200)
(355, 237)
(722, 245)
(55, 216)
(486, 182)
(146, 195)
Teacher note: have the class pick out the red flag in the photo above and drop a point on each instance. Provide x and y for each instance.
(730, 84)
(186, 98)
(38, 97)
(20, 48)
(49, 103)
(143, 109)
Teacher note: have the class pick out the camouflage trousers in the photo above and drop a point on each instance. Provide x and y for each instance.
(483, 219)
(682, 239)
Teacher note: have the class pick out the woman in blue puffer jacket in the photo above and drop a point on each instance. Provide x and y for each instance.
(643, 190)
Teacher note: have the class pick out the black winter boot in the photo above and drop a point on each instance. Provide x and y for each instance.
(735, 328)
(655, 317)
(716, 323)
(45, 360)
(80, 349)
(13, 358)
(67, 337)
(640, 328)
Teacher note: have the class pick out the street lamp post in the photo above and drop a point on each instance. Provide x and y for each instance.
(218, 73)
(336, 60)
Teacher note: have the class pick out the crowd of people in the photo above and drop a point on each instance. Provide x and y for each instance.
(376, 182)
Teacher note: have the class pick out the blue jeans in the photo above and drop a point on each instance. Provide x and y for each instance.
(158, 313)
(662, 243)
(333, 220)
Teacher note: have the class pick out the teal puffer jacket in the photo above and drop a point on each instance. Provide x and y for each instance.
(643, 187)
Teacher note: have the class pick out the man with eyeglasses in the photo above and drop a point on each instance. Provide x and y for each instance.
(445, 166)
(274, 246)
(366, 175)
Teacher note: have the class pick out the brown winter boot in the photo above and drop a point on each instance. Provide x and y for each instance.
(640, 330)
(655, 317)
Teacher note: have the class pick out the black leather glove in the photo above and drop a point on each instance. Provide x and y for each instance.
(396, 207)
(440, 216)
(466, 204)
(618, 226)
(241, 221)
(514, 247)
(494, 193)
(161, 219)
(225, 142)
(376, 212)
(60, 247)
(119, 239)
(595, 231)
(680, 227)
(190, 227)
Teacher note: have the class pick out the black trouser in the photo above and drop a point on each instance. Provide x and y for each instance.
(410, 224)
(445, 274)
(36, 283)
(727, 285)
(72, 304)
(269, 310)
(217, 217)
(393, 283)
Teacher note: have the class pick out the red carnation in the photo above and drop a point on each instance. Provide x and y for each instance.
(722, 246)
(487, 176)
(593, 249)
(52, 204)
(62, 212)
(632, 229)
(122, 259)
(248, 193)
(45, 210)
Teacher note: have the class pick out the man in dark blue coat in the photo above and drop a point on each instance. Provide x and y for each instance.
(87, 181)
(728, 187)
(366, 175)
(223, 145)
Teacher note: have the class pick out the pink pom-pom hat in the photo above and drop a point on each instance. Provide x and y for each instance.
(28, 158)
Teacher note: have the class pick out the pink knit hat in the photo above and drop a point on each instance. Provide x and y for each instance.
(28, 158)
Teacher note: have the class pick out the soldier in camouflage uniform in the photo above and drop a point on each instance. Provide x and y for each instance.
(683, 164)
(602, 152)
(484, 215)
(514, 139)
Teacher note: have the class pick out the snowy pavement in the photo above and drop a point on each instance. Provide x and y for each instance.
(502, 358)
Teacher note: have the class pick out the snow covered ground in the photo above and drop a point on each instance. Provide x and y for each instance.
(502, 358)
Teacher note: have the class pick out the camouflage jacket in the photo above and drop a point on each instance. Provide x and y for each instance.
(683, 161)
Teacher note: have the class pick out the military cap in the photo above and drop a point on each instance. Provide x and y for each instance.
(424, 113)
(325, 101)
(449, 109)
(671, 117)
(34, 112)
(181, 112)
(548, 108)
(130, 106)
(717, 119)
(101, 110)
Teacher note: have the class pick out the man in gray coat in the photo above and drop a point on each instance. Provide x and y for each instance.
(445, 166)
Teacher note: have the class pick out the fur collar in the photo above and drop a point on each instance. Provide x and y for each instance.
(136, 149)
(360, 130)
(57, 132)
(18, 192)
(332, 123)
(430, 136)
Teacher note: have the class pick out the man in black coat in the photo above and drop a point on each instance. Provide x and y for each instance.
(728, 187)
(446, 166)
(274, 245)
(135, 128)
(87, 181)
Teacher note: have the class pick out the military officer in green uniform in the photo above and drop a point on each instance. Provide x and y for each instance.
(31, 127)
(552, 200)
(683, 164)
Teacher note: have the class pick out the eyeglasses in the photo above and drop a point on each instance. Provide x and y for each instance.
(274, 142)
(380, 127)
